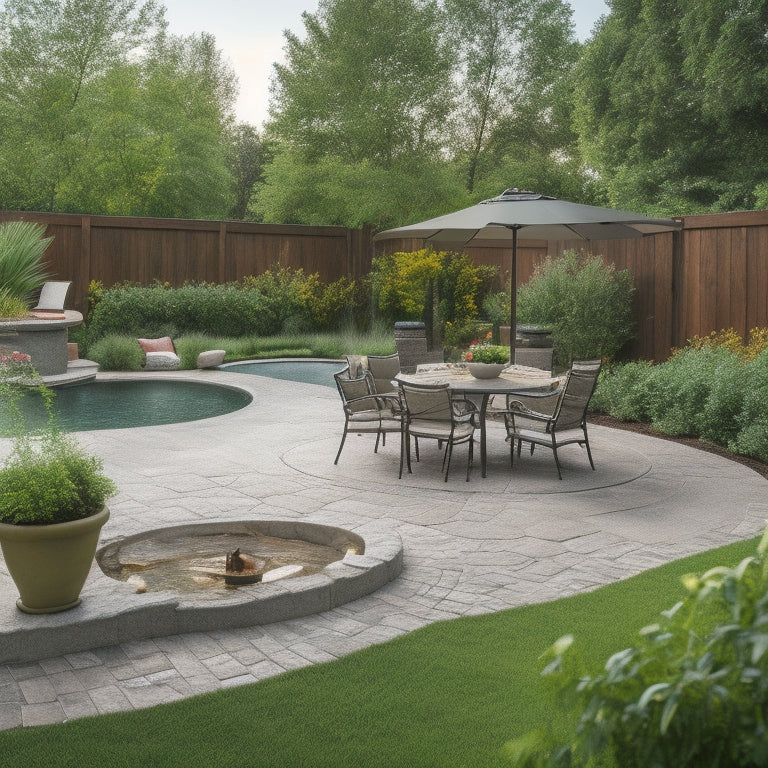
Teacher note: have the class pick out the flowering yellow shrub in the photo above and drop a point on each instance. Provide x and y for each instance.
(402, 283)
(730, 339)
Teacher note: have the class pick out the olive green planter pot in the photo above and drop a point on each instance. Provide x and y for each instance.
(50, 563)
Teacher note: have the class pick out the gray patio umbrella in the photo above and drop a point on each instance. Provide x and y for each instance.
(538, 217)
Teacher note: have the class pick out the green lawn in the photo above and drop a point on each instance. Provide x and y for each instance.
(447, 695)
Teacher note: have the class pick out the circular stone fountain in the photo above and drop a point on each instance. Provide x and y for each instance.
(174, 580)
(208, 560)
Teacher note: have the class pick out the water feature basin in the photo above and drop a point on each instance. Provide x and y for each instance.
(192, 559)
(116, 611)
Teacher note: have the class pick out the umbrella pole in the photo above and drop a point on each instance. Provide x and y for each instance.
(513, 298)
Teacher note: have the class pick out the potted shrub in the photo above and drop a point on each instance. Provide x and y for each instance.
(52, 501)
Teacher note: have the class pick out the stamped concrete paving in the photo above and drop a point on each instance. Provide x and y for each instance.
(518, 536)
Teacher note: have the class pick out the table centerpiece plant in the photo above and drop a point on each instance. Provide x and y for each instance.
(485, 360)
(52, 499)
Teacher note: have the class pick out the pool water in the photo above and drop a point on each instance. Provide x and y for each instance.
(120, 404)
(304, 371)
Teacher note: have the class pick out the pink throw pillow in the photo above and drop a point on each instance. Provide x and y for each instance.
(163, 344)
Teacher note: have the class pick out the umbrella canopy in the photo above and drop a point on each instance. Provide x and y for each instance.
(539, 218)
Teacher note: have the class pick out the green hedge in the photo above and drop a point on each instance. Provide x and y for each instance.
(279, 300)
(708, 392)
(221, 310)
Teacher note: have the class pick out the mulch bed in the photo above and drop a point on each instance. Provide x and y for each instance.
(694, 442)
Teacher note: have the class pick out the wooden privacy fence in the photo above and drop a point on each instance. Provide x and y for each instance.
(712, 274)
(115, 248)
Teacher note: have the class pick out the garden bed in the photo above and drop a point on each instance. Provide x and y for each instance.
(604, 420)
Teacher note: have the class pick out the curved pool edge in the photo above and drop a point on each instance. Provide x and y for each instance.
(112, 612)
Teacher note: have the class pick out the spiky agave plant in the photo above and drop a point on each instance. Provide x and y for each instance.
(22, 246)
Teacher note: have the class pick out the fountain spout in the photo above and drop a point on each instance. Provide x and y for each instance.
(241, 569)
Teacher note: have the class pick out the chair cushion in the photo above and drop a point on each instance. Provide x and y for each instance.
(358, 364)
(439, 430)
(211, 358)
(542, 438)
(162, 361)
(163, 344)
(365, 416)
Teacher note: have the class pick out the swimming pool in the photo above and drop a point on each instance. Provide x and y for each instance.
(130, 403)
(305, 371)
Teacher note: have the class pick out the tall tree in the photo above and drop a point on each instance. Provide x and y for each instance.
(668, 108)
(247, 155)
(101, 111)
(513, 56)
(52, 53)
(365, 91)
(369, 81)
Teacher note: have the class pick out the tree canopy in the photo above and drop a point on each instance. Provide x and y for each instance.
(669, 106)
(385, 112)
(414, 106)
(102, 111)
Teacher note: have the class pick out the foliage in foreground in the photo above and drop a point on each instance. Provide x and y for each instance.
(587, 305)
(47, 478)
(479, 673)
(715, 388)
(692, 691)
(51, 481)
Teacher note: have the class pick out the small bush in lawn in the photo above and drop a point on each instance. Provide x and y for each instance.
(117, 353)
(586, 303)
(691, 693)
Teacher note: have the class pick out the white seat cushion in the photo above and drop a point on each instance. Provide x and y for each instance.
(162, 361)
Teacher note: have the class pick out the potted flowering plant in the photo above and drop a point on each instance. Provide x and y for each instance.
(52, 500)
(486, 360)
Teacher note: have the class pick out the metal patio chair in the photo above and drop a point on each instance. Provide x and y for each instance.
(383, 369)
(364, 410)
(430, 412)
(565, 424)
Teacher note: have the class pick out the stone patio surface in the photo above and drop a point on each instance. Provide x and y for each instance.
(518, 536)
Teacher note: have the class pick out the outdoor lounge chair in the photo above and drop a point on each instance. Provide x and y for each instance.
(50, 305)
(364, 410)
(431, 412)
(566, 423)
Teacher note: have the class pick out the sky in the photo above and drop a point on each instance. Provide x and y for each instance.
(250, 35)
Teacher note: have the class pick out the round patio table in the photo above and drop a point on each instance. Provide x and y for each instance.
(512, 380)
